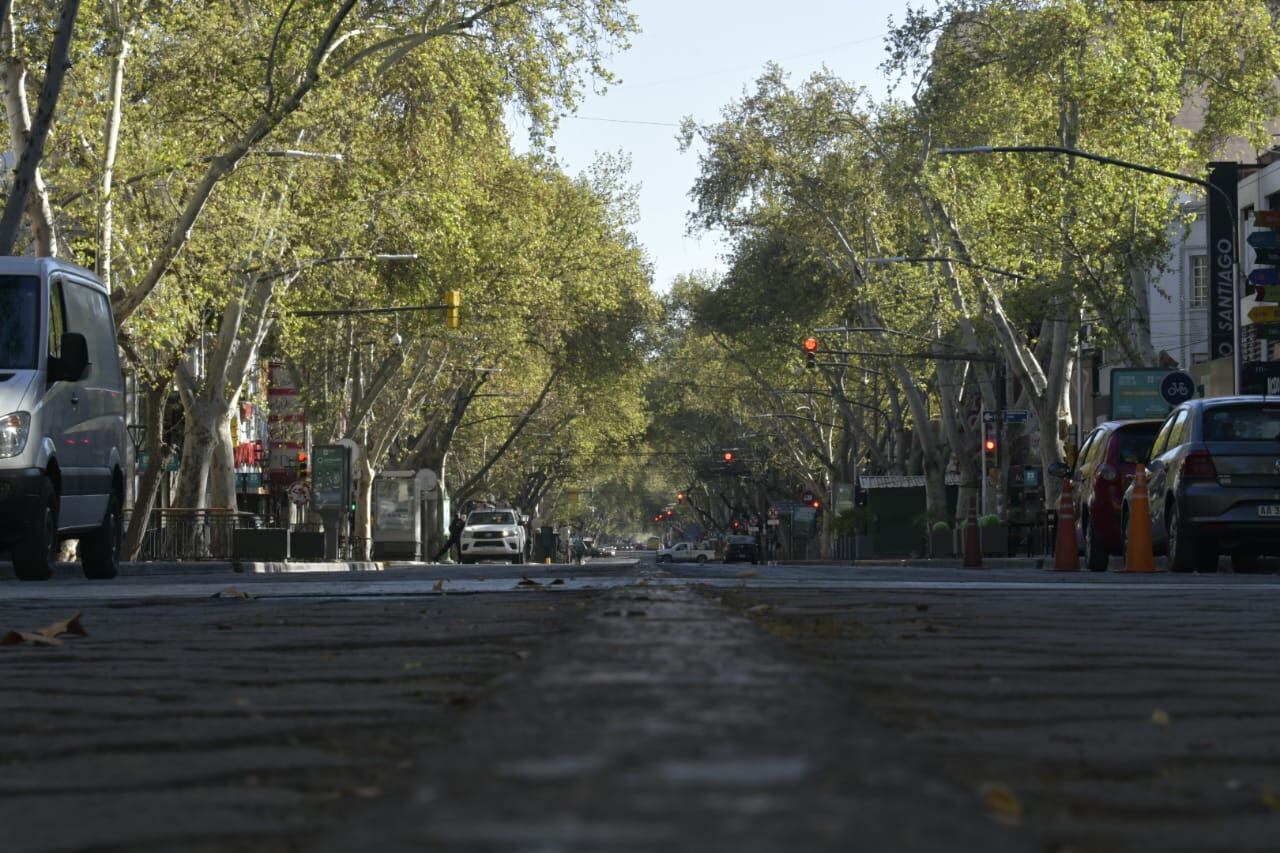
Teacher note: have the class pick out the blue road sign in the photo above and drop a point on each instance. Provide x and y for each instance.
(1177, 387)
(1265, 239)
(1267, 257)
(1265, 276)
(1016, 416)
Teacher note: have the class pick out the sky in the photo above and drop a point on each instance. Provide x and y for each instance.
(692, 58)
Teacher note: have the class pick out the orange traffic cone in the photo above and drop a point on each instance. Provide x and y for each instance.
(1138, 552)
(972, 545)
(1066, 554)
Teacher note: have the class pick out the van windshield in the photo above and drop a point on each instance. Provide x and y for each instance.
(19, 321)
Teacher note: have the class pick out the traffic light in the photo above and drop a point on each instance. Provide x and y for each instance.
(817, 504)
(680, 497)
(989, 442)
(728, 456)
(810, 346)
(302, 465)
(452, 305)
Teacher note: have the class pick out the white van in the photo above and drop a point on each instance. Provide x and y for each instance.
(62, 418)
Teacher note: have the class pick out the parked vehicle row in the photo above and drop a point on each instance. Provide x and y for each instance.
(1213, 482)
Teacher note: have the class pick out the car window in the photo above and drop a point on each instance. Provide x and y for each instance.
(19, 321)
(57, 321)
(1180, 433)
(1249, 422)
(1090, 443)
(490, 518)
(1162, 440)
(1133, 445)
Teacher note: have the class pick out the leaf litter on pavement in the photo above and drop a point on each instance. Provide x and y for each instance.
(1002, 803)
(46, 636)
(231, 592)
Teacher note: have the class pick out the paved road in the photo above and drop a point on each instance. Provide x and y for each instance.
(624, 705)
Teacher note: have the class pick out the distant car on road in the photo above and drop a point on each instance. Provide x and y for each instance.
(741, 548)
(1103, 470)
(496, 534)
(1214, 483)
(687, 552)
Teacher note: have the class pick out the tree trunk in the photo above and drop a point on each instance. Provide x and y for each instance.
(202, 421)
(158, 453)
(26, 180)
(119, 48)
(364, 504)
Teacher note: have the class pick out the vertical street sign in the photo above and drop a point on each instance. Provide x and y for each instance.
(1223, 204)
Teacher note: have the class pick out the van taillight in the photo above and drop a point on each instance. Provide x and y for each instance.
(1198, 465)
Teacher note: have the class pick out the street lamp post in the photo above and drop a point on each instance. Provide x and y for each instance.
(1228, 204)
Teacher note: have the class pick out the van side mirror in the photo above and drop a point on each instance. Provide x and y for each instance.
(73, 362)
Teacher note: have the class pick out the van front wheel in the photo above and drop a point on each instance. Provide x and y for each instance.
(100, 550)
(35, 554)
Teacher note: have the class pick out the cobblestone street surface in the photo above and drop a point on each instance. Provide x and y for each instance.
(1129, 722)
(929, 711)
(240, 724)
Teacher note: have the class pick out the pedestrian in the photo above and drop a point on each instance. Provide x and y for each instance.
(455, 536)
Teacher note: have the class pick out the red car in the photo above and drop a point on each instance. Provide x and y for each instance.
(1103, 470)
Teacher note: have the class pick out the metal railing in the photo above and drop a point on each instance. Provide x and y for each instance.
(176, 533)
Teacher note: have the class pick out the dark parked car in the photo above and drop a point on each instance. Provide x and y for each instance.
(741, 548)
(1105, 466)
(1214, 483)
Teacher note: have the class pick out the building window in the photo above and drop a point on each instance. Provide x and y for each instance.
(1199, 281)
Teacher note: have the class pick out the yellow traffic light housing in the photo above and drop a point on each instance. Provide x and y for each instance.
(452, 305)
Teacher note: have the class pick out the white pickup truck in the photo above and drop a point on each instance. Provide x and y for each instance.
(687, 552)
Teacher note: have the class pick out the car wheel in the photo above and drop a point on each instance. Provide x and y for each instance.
(100, 550)
(1185, 555)
(664, 559)
(35, 554)
(1095, 553)
(519, 560)
(1244, 562)
(702, 558)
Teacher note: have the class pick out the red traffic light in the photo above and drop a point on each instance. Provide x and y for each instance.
(680, 497)
(810, 345)
(817, 504)
(728, 456)
(989, 445)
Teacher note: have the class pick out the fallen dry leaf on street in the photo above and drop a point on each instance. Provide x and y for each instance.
(1160, 717)
(1269, 798)
(749, 573)
(558, 582)
(17, 638)
(528, 582)
(523, 654)
(439, 587)
(66, 626)
(46, 636)
(231, 592)
(1002, 803)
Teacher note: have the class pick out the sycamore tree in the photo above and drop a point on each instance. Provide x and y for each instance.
(1047, 241)
(808, 177)
(195, 142)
